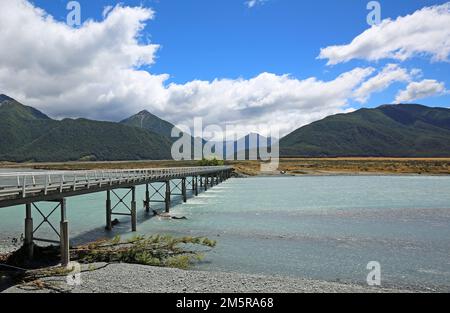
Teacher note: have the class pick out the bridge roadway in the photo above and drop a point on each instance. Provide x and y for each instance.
(30, 188)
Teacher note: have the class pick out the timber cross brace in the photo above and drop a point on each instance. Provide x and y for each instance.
(181, 187)
(161, 196)
(131, 208)
(63, 233)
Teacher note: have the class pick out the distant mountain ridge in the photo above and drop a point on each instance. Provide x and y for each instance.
(4, 98)
(249, 144)
(151, 122)
(9, 105)
(400, 130)
(403, 130)
(29, 135)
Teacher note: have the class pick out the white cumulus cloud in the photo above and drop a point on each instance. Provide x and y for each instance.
(420, 90)
(95, 71)
(269, 99)
(88, 71)
(390, 74)
(424, 32)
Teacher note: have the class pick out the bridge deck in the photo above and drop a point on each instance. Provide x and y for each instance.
(25, 187)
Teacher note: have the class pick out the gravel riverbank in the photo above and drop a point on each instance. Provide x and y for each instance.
(129, 278)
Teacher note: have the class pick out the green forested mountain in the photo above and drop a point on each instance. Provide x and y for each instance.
(408, 130)
(20, 125)
(403, 130)
(29, 135)
(151, 122)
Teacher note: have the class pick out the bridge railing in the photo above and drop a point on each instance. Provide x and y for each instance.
(21, 184)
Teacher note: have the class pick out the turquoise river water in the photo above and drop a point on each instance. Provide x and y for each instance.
(319, 227)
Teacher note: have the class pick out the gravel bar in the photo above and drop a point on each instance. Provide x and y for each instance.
(132, 278)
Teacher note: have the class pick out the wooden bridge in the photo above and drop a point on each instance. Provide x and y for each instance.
(30, 188)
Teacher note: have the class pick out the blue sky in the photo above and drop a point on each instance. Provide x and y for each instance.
(215, 39)
(208, 39)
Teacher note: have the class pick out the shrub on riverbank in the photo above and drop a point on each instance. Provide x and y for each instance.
(211, 162)
(156, 250)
